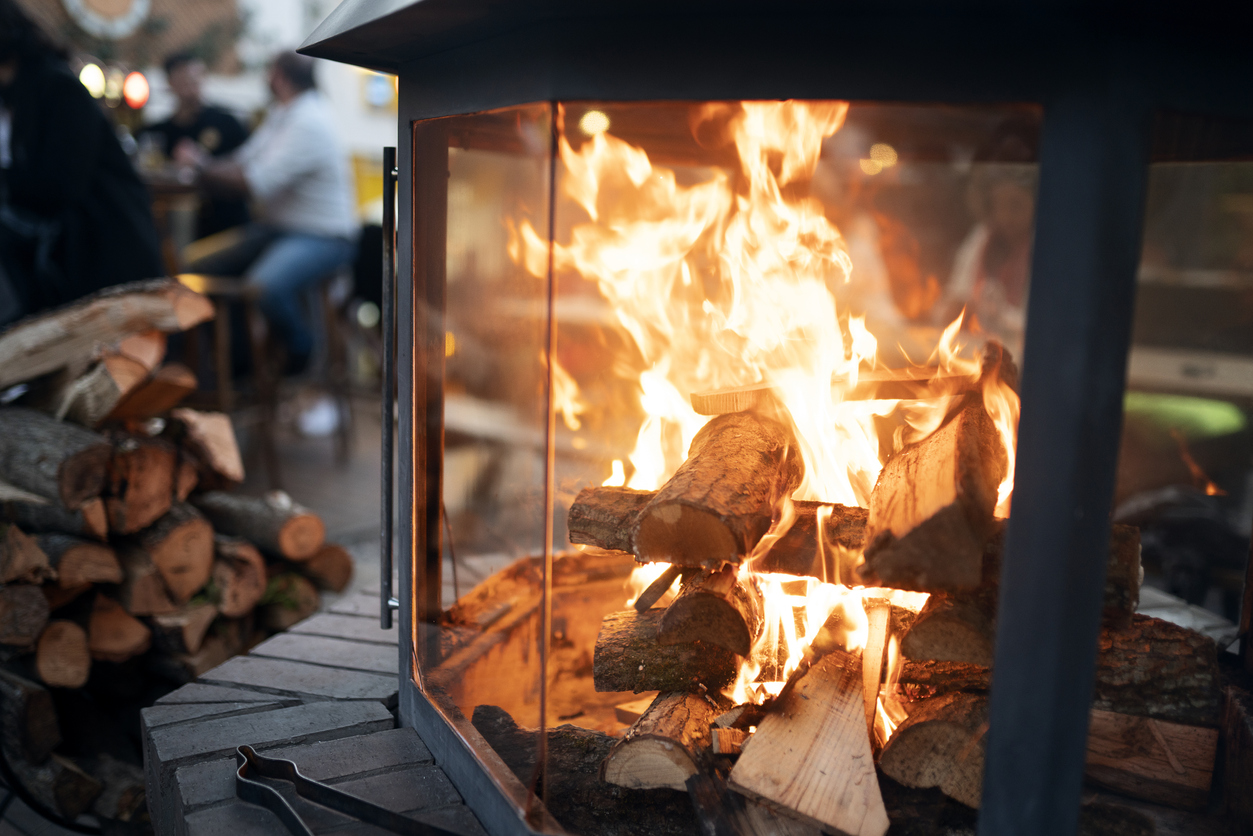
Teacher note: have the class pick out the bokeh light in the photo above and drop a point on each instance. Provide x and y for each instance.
(92, 77)
(135, 90)
(594, 122)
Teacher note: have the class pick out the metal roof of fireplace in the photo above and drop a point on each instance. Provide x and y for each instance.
(1103, 73)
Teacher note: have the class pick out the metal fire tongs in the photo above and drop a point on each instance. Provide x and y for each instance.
(253, 791)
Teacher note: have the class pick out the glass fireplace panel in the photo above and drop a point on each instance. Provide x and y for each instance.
(839, 268)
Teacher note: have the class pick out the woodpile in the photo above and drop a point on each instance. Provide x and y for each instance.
(813, 753)
(123, 555)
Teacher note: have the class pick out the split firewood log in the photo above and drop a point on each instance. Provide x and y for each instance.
(954, 628)
(180, 546)
(158, 394)
(21, 558)
(811, 755)
(183, 631)
(52, 458)
(210, 438)
(28, 720)
(290, 598)
(941, 744)
(62, 658)
(720, 501)
(831, 557)
(665, 746)
(273, 522)
(628, 658)
(186, 477)
(606, 516)
(43, 343)
(715, 608)
(874, 655)
(330, 568)
(141, 482)
(238, 576)
(124, 794)
(23, 615)
(657, 590)
(217, 647)
(88, 397)
(146, 348)
(60, 785)
(728, 741)
(1152, 668)
(113, 634)
(143, 591)
(931, 510)
(1166, 763)
(37, 514)
(59, 596)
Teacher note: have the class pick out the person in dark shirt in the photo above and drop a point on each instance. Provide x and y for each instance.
(213, 129)
(74, 216)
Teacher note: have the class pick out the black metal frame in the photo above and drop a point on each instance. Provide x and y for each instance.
(1100, 70)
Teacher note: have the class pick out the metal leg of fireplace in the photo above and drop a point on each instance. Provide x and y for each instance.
(1094, 159)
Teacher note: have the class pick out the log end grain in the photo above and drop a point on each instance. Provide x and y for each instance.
(301, 536)
(941, 745)
(61, 656)
(23, 615)
(114, 635)
(677, 533)
(606, 516)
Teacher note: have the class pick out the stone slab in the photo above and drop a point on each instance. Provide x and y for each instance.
(280, 676)
(358, 604)
(331, 652)
(208, 782)
(459, 819)
(236, 819)
(419, 787)
(169, 747)
(157, 716)
(194, 692)
(353, 627)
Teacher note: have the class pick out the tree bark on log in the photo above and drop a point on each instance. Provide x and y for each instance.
(800, 551)
(21, 558)
(78, 561)
(628, 658)
(931, 510)
(273, 522)
(1166, 763)
(180, 546)
(43, 343)
(1238, 756)
(811, 755)
(164, 390)
(28, 719)
(23, 615)
(941, 744)
(291, 599)
(61, 656)
(665, 746)
(114, 635)
(36, 514)
(52, 458)
(605, 517)
(141, 483)
(60, 785)
(238, 575)
(210, 437)
(715, 608)
(330, 569)
(89, 396)
(720, 501)
(183, 631)
(1150, 669)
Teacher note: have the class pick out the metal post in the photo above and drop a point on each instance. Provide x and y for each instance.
(389, 386)
(1094, 158)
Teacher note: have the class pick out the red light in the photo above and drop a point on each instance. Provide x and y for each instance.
(135, 90)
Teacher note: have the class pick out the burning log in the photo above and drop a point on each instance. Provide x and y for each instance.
(941, 745)
(1166, 763)
(715, 608)
(605, 517)
(62, 659)
(239, 577)
(78, 561)
(628, 658)
(832, 557)
(931, 511)
(720, 501)
(273, 522)
(811, 755)
(1150, 669)
(21, 558)
(665, 746)
(875, 655)
(23, 615)
(35, 513)
(728, 741)
(210, 437)
(954, 628)
(52, 458)
(141, 483)
(114, 635)
(180, 546)
(658, 588)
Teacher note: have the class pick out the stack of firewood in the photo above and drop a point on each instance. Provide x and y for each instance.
(817, 751)
(121, 542)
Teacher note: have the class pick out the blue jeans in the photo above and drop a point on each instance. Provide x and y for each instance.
(284, 265)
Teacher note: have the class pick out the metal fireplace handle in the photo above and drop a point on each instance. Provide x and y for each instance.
(390, 176)
(247, 788)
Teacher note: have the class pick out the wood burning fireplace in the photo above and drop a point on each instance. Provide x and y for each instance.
(726, 303)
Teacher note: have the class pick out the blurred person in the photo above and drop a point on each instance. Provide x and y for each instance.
(214, 129)
(296, 174)
(74, 216)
